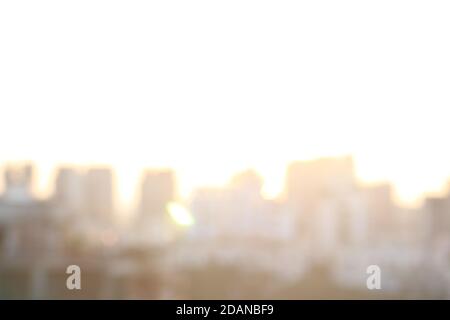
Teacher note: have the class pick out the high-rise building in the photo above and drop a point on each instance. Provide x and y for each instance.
(99, 196)
(19, 183)
(157, 190)
(247, 184)
(381, 214)
(322, 194)
(437, 218)
(23, 217)
(68, 195)
(309, 182)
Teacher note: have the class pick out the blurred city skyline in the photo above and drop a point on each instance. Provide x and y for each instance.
(113, 109)
(126, 183)
(210, 89)
(327, 228)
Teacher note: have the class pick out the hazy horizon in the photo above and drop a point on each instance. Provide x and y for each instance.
(127, 184)
(213, 88)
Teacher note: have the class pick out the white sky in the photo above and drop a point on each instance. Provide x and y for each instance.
(211, 87)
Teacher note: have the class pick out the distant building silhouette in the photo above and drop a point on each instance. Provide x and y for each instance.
(380, 211)
(329, 209)
(437, 224)
(157, 190)
(248, 183)
(18, 183)
(99, 193)
(23, 222)
(309, 182)
(68, 193)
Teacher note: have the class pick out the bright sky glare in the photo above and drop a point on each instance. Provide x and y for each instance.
(211, 87)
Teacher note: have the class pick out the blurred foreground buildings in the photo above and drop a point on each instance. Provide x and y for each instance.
(315, 241)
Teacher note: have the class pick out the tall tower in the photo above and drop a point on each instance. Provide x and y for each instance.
(157, 190)
(19, 183)
(99, 193)
(320, 193)
(309, 182)
(68, 195)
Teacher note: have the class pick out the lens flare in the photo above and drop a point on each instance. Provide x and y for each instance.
(180, 214)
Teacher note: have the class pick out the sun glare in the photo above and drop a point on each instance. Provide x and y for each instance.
(180, 214)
